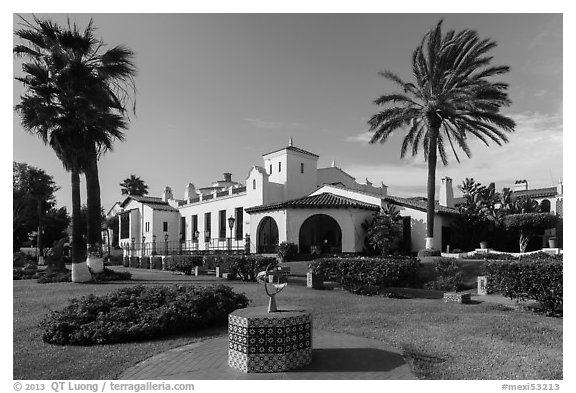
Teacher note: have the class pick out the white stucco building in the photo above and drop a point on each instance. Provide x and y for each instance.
(286, 198)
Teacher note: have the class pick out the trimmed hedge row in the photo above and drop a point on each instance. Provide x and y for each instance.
(140, 313)
(535, 279)
(366, 275)
(246, 267)
(182, 263)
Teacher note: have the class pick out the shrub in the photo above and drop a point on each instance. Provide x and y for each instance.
(183, 263)
(140, 313)
(156, 263)
(126, 261)
(359, 275)
(27, 272)
(20, 259)
(51, 276)
(429, 252)
(449, 276)
(112, 275)
(528, 279)
(115, 260)
(134, 262)
(541, 256)
(145, 262)
(287, 251)
(246, 267)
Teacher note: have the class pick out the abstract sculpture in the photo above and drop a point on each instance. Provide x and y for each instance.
(274, 282)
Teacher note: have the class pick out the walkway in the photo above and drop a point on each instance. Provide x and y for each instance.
(335, 356)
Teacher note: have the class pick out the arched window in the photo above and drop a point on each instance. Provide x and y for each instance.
(545, 206)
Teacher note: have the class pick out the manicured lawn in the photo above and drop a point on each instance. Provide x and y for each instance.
(441, 341)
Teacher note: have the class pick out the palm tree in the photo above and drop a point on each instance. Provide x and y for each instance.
(134, 186)
(451, 99)
(83, 96)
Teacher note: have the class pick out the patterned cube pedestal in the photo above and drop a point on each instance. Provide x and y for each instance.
(262, 342)
(463, 298)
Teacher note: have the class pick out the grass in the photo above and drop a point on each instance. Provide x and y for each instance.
(439, 340)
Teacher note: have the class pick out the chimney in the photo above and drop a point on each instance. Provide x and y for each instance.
(560, 188)
(446, 192)
(167, 194)
(190, 191)
(520, 185)
(228, 177)
(383, 188)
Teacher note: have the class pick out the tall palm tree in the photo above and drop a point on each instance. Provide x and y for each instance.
(452, 98)
(133, 185)
(87, 90)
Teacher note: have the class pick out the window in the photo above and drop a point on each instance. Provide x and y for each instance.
(270, 168)
(301, 167)
(183, 228)
(239, 222)
(207, 227)
(124, 226)
(222, 225)
(254, 184)
(147, 226)
(279, 167)
(165, 226)
(194, 226)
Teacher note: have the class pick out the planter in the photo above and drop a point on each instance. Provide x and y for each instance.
(314, 281)
(552, 242)
(455, 297)
(483, 245)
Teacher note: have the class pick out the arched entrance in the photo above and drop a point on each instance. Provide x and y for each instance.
(267, 236)
(322, 231)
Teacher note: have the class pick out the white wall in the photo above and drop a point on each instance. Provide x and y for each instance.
(359, 196)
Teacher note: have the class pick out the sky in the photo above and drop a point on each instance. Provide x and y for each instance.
(216, 91)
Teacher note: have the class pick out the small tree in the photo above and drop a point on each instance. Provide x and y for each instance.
(383, 229)
(527, 224)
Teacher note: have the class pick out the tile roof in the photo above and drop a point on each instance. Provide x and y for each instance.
(154, 202)
(420, 203)
(535, 193)
(324, 200)
(296, 149)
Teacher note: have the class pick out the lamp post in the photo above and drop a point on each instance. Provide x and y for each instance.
(165, 244)
(143, 244)
(231, 221)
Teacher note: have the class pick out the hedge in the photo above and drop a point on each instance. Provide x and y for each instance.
(246, 267)
(535, 279)
(364, 275)
(140, 313)
(182, 263)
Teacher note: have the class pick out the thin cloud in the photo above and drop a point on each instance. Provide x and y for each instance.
(363, 138)
(274, 125)
(533, 153)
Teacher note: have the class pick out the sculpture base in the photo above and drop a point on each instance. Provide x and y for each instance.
(262, 342)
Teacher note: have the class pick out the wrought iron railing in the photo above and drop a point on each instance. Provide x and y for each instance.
(187, 247)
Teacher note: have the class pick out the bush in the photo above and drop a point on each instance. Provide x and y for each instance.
(528, 279)
(145, 262)
(246, 267)
(140, 313)
(27, 272)
(156, 263)
(51, 276)
(541, 256)
(134, 261)
(183, 263)
(429, 252)
(287, 251)
(126, 261)
(449, 276)
(360, 275)
(112, 275)
(20, 259)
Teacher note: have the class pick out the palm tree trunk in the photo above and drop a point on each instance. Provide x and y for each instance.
(94, 217)
(39, 242)
(80, 272)
(431, 187)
